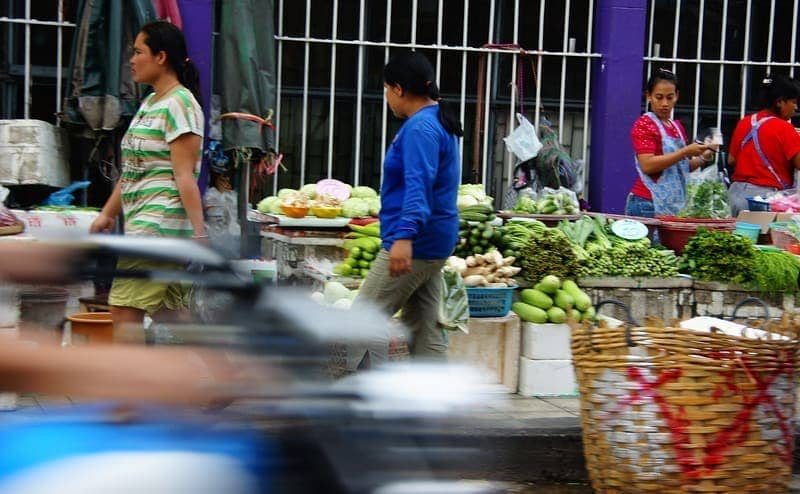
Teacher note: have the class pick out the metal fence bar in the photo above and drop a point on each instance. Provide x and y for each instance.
(712, 61)
(487, 98)
(359, 96)
(746, 58)
(587, 94)
(385, 111)
(722, 53)
(306, 60)
(538, 80)
(771, 30)
(512, 113)
(27, 78)
(332, 103)
(432, 46)
(439, 17)
(696, 114)
(414, 11)
(675, 33)
(650, 36)
(562, 92)
(59, 57)
(36, 22)
(463, 105)
(278, 88)
(793, 48)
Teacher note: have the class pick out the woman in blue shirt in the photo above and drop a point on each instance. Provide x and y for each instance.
(419, 218)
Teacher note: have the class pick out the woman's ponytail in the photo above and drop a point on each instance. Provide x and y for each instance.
(447, 115)
(189, 77)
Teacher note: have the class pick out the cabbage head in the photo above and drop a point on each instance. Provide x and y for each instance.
(355, 208)
(374, 205)
(269, 205)
(309, 190)
(284, 193)
(363, 192)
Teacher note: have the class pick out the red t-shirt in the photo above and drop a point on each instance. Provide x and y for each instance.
(646, 139)
(780, 143)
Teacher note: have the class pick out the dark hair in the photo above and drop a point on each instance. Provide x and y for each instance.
(774, 88)
(413, 72)
(662, 75)
(164, 36)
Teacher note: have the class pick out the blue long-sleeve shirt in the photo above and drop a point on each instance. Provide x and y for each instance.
(420, 186)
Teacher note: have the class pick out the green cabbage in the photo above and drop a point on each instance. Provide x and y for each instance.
(363, 192)
(355, 208)
(284, 193)
(374, 205)
(269, 205)
(309, 190)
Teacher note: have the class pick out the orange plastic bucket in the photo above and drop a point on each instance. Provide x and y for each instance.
(91, 327)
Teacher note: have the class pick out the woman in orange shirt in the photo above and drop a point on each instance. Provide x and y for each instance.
(765, 148)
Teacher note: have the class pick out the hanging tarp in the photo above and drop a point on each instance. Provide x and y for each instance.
(247, 74)
(101, 94)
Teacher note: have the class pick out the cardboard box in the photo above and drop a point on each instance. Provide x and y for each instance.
(760, 218)
(546, 341)
(546, 377)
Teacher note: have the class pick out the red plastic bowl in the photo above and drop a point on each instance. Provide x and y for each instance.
(675, 235)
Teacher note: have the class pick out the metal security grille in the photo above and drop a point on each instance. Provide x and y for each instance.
(18, 15)
(721, 50)
(333, 121)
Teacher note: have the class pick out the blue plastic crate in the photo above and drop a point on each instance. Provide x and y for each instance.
(490, 302)
(754, 205)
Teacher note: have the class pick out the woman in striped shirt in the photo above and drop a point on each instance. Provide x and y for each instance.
(157, 192)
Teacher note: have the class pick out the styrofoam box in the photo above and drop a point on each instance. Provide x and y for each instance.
(33, 152)
(546, 341)
(546, 377)
(56, 223)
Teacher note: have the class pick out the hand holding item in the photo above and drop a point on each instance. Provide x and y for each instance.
(695, 149)
(400, 257)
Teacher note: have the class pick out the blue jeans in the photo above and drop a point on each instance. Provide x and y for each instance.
(637, 206)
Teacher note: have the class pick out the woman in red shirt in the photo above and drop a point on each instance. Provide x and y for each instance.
(765, 148)
(663, 157)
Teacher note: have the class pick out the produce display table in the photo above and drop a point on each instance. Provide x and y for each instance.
(493, 343)
(289, 247)
(666, 298)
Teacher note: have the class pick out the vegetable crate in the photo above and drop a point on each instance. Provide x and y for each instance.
(490, 302)
(671, 410)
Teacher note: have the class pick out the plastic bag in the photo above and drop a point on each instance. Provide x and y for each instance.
(453, 304)
(64, 197)
(222, 223)
(784, 201)
(706, 195)
(549, 201)
(523, 141)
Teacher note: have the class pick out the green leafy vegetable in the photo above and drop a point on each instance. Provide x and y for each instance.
(707, 199)
(720, 256)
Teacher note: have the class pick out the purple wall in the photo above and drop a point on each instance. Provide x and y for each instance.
(197, 17)
(620, 28)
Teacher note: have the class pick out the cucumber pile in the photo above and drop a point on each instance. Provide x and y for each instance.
(476, 235)
(552, 301)
(362, 245)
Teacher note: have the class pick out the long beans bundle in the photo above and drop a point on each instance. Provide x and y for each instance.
(776, 271)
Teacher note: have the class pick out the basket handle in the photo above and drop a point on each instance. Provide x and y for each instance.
(753, 300)
(630, 322)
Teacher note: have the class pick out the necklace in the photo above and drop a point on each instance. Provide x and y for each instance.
(158, 96)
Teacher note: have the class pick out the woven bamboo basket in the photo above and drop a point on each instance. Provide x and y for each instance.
(670, 410)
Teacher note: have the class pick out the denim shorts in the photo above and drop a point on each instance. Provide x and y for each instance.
(638, 206)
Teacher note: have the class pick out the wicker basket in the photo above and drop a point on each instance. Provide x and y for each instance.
(670, 410)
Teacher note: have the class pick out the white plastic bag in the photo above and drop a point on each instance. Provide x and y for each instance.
(523, 141)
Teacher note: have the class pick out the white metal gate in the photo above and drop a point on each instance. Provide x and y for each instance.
(28, 23)
(556, 35)
(720, 50)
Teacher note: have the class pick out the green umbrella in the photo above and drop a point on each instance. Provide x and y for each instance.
(101, 93)
(247, 73)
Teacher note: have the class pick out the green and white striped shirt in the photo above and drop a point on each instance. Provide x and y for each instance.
(150, 200)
